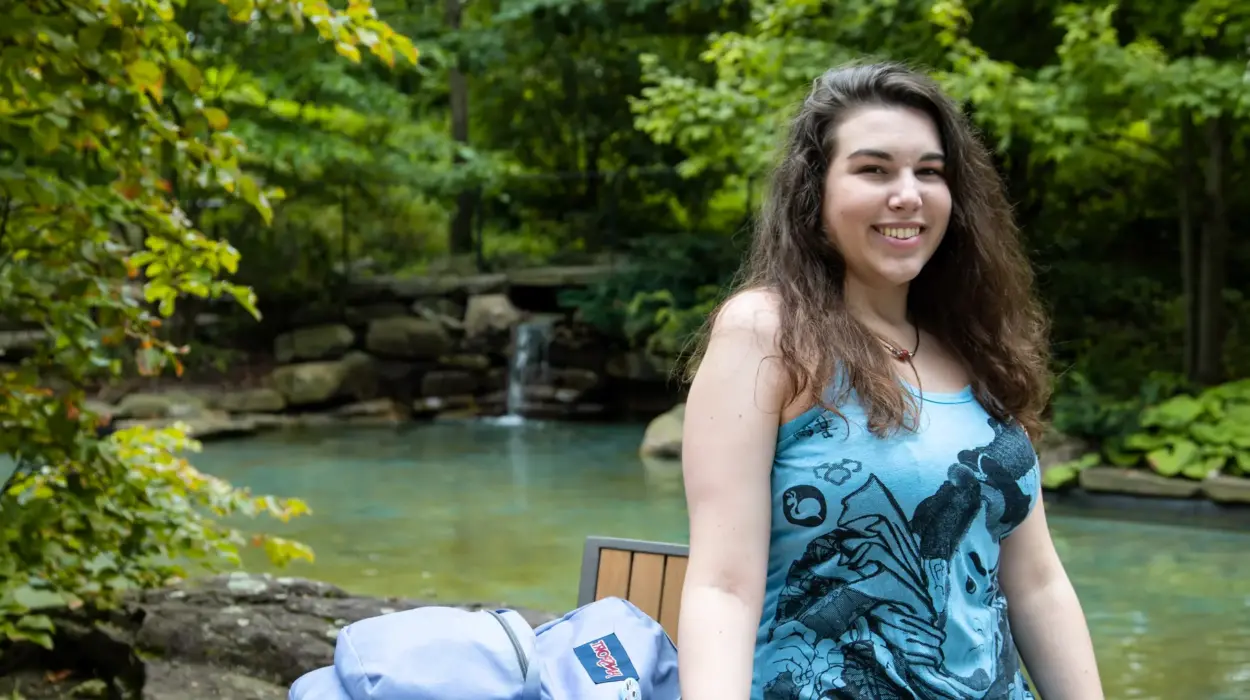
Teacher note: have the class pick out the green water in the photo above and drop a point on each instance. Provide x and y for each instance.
(464, 511)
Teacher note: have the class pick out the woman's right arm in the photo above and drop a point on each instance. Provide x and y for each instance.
(729, 436)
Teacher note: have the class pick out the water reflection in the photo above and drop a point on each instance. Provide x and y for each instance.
(662, 476)
(464, 511)
(518, 456)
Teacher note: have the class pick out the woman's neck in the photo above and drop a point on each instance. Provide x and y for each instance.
(883, 310)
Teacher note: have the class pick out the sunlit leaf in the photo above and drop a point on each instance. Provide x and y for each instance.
(348, 51)
(217, 118)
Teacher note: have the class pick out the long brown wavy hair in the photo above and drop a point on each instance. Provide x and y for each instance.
(975, 294)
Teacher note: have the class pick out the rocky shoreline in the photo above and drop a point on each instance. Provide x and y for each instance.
(238, 636)
(411, 349)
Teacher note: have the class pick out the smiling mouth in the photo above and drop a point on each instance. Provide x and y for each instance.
(899, 233)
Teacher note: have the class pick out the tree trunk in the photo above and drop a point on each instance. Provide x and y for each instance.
(1211, 259)
(345, 281)
(1189, 244)
(461, 235)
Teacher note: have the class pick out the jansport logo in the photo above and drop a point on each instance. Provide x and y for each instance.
(605, 660)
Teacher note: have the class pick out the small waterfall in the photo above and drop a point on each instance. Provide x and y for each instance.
(529, 362)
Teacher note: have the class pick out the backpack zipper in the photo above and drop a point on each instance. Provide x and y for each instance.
(516, 643)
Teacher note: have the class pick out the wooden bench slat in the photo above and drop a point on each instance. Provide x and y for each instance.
(648, 574)
(670, 598)
(646, 583)
(614, 569)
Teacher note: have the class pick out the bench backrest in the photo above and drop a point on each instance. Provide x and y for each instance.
(647, 574)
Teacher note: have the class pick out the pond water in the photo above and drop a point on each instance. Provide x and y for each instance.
(464, 511)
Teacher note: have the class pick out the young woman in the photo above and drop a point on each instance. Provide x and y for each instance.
(864, 499)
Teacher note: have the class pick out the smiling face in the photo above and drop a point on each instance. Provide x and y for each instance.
(886, 201)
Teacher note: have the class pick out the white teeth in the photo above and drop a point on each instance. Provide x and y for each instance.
(900, 233)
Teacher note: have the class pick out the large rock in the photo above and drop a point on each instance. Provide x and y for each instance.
(407, 337)
(383, 411)
(418, 287)
(309, 382)
(475, 362)
(1227, 489)
(401, 380)
(162, 681)
(444, 312)
(173, 404)
(449, 382)
(312, 383)
(1057, 448)
(1136, 482)
(207, 425)
(577, 345)
(239, 636)
(489, 283)
(313, 343)
(578, 380)
(561, 276)
(490, 314)
(662, 438)
(385, 287)
(363, 315)
(178, 681)
(257, 400)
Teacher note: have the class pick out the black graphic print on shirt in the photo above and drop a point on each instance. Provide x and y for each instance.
(865, 612)
(804, 506)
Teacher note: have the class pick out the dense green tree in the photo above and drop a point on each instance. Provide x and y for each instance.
(1130, 101)
(116, 129)
(1119, 136)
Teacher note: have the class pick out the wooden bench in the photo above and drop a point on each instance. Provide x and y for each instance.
(647, 574)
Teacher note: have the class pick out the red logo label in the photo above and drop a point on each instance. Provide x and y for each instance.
(605, 659)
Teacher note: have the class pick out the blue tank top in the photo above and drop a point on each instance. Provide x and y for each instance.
(883, 561)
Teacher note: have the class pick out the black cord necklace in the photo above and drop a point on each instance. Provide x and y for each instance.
(905, 355)
(902, 354)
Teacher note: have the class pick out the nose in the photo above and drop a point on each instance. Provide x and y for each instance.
(906, 196)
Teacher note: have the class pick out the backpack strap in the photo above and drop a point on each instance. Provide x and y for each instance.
(532, 689)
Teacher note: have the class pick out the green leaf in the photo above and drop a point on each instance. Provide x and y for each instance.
(1217, 434)
(1170, 461)
(348, 51)
(1203, 468)
(43, 639)
(1058, 477)
(144, 73)
(240, 10)
(90, 36)
(189, 73)
(1174, 413)
(1117, 455)
(217, 119)
(404, 47)
(35, 623)
(285, 108)
(1145, 442)
(46, 135)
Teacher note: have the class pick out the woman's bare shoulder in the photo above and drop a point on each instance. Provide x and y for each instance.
(753, 312)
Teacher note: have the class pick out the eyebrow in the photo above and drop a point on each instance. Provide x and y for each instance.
(882, 155)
